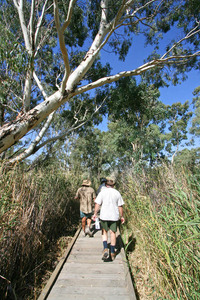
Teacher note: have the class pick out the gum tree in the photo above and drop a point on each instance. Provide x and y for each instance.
(52, 77)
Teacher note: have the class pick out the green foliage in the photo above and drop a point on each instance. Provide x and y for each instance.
(178, 117)
(150, 20)
(162, 212)
(88, 153)
(188, 158)
(195, 129)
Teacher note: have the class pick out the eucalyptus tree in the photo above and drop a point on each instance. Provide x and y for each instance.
(138, 120)
(195, 129)
(53, 74)
(188, 158)
(89, 153)
(178, 118)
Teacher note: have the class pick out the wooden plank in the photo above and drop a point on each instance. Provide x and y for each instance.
(89, 282)
(127, 272)
(109, 291)
(90, 297)
(58, 268)
(93, 269)
(86, 276)
(91, 276)
(91, 259)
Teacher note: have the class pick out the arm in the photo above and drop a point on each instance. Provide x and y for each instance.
(96, 209)
(121, 214)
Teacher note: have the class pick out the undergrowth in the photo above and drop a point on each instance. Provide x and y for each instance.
(37, 207)
(162, 232)
(38, 214)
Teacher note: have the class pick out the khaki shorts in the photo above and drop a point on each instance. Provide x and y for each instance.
(109, 225)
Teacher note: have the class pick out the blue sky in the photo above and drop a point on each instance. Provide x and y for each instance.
(135, 58)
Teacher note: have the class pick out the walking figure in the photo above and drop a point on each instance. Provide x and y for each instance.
(110, 203)
(86, 195)
(103, 184)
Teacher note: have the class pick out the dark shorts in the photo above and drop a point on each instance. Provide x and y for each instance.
(109, 225)
(84, 215)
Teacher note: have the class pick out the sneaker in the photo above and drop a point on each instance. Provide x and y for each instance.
(83, 234)
(105, 254)
(90, 233)
(113, 255)
(86, 230)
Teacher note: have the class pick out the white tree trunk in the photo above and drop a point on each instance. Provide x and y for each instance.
(12, 132)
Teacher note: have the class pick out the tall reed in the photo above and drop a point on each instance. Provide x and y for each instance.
(163, 213)
(36, 208)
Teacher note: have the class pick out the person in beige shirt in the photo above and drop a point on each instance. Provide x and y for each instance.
(86, 195)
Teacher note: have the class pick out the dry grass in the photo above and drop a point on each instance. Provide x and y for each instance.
(163, 217)
(37, 208)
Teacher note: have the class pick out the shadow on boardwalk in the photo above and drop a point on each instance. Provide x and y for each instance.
(84, 275)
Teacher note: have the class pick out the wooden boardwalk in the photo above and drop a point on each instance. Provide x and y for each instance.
(84, 275)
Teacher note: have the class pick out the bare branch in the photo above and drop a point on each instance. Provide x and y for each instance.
(62, 43)
(39, 85)
(73, 128)
(40, 21)
(44, 37)
(189, 35)
(69, 15)
(31, 149)
(34, 147)
(147, 66)
(23, 25)
(31, 23)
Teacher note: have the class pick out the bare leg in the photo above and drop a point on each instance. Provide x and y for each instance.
(112, 238)
(83, 223)
(89, 221)
(104, 235)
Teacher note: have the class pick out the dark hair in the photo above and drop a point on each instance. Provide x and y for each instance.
(102, 180)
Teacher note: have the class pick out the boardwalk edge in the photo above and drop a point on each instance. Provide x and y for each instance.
(127, 270)
(45, 292)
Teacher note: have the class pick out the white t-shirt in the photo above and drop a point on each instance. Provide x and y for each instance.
(102, 186)
(109, 199)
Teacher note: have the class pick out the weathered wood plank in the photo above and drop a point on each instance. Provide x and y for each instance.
(56, 272)
(89, 282)
(95, 291)
(91, 276)
(86, 276)
(89, 297)
(93, 268)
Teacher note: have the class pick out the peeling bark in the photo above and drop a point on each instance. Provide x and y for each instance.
(12, 132)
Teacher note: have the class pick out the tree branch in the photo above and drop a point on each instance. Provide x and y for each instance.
(39, 85)
(60, 31)
(147, 66)
(69, 15)
(23, 25)
(190, 34)
(73, 128)
(31, 149)
(34, 147)
(38, 27)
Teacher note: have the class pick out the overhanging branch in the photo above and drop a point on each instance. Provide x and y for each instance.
(181, 59)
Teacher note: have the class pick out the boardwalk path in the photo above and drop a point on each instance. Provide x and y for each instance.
(85, 275)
